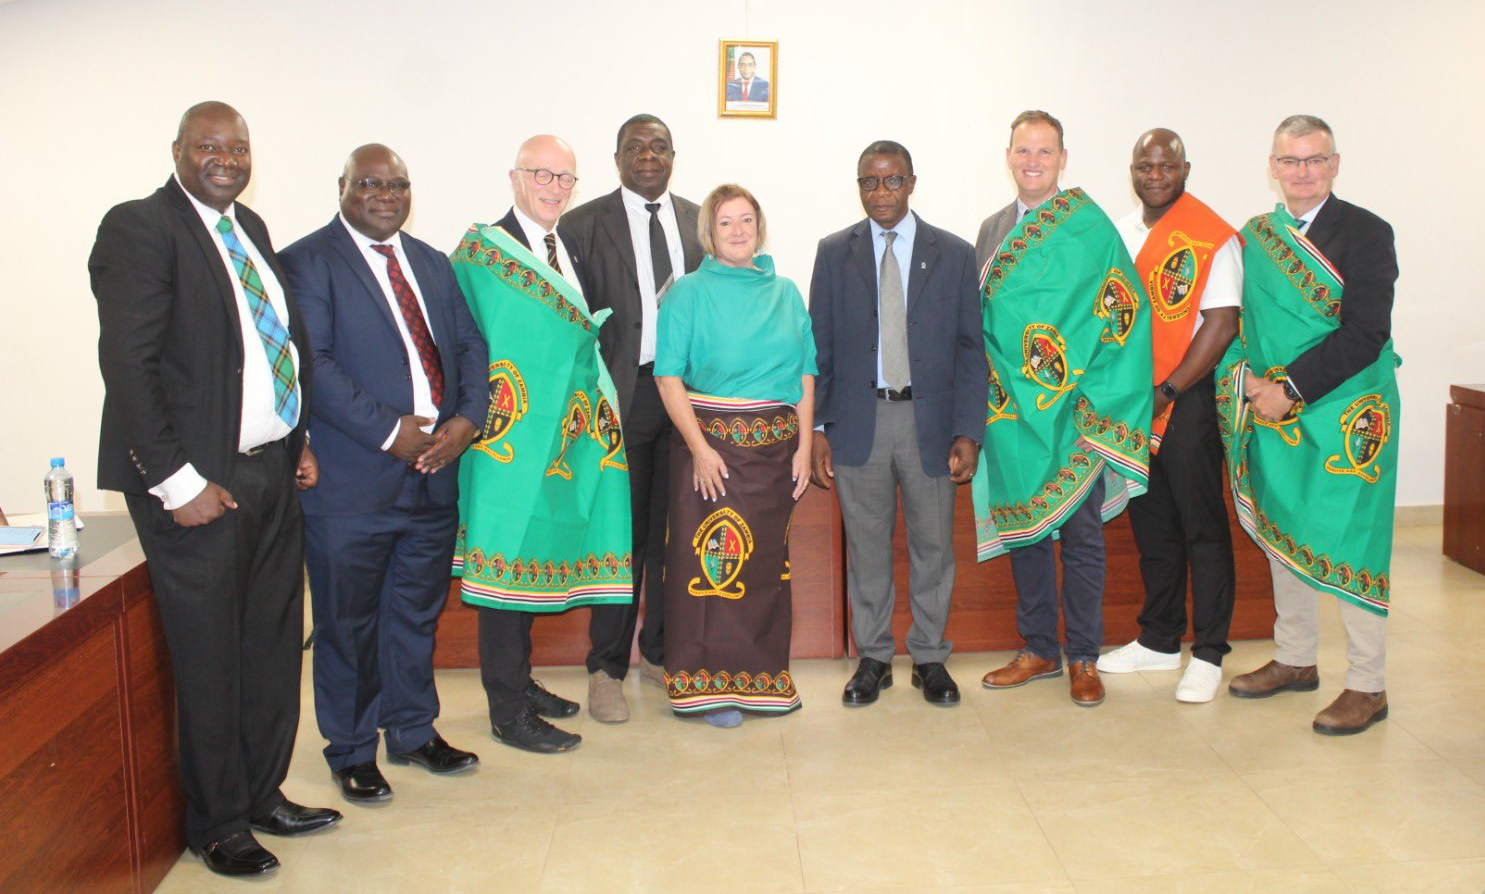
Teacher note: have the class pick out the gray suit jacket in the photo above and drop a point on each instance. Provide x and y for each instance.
(993, 232)
(598, 231)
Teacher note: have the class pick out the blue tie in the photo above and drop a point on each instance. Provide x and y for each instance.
(271, 332)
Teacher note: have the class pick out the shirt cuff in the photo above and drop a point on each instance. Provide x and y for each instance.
(387, 444)
(181, 488)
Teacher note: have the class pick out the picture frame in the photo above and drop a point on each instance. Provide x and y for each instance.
(747, 78)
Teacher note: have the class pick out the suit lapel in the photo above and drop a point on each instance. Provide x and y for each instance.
(204, 240)
(1326, 223)
(615, 225)
(346, 249)
(863, 261)
(686, 216)
(512, 226)
(923, 262)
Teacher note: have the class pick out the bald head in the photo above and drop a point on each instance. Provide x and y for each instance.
(375, 193)
(1160, 136)
(1158, 171)
(212, 156)
(543, 157)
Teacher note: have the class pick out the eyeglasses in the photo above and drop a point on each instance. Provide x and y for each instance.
(371, 184)
(1145, 168)
(543, 176)
(1289, 162)
(894, 183)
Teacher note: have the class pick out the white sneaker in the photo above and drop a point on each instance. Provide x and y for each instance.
(1135, 657)
(1199, 684)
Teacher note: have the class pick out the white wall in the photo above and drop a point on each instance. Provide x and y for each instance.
(92, 90)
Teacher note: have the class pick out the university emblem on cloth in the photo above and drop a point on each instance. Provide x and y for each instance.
(507, 406)
(1288, 427)
(574, 423)
(1046, 364)
(723, 542)
(1173, 279)
(605, 430)
(999, 405)
(1118, 304)
(1367, 426)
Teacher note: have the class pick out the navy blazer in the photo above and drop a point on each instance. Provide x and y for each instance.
(363, 373)
(1360, 245)
(946, 344)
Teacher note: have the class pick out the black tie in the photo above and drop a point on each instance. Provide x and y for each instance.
(659, 248)
(551, 240)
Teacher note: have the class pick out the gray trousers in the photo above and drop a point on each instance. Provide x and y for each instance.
(868, 505)
(1297, 631)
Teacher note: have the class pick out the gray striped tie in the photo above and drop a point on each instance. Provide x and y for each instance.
(892, 317)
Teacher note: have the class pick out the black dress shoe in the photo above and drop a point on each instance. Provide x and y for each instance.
(938, 687)
(363, 783)
(289, 818)
(529, 732)
(547, 704)
(237, 854)
(871, 677)
(437, 756)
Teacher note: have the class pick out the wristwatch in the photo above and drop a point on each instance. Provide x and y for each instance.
(1291, 393)
(1170, 391)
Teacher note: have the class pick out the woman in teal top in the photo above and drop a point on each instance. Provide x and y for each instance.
(735, 367)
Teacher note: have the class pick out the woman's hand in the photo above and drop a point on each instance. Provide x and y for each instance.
(710, 473)
(799, 469)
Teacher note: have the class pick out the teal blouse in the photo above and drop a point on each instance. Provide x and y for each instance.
(736, 332)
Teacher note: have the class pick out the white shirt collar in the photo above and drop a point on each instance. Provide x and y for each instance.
(906, 229)
(1309, 216)
(209, 215)
(364, 242)
(534, 231)
(636, 203)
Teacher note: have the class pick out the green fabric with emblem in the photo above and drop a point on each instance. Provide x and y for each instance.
(1316, 490)
(1067, 334)
(544, 489)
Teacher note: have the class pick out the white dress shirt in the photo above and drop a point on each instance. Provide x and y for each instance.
(644, 262)
(902, 249)
(422, 390)
(536, 236)
(1224, 286)
(260, 423)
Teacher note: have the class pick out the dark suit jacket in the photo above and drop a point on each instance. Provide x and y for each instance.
(993, 232)
(945, 343)
(1360, 245)
(599, 230)
(759, 92)
(170, 345)
(363, 373)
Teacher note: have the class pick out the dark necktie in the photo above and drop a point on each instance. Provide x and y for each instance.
(271, 332)
(417, 327)
(551, 240)
(659, 249)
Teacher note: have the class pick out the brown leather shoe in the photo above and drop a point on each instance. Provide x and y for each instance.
(1275, 677)
(1024, 668)
(1087, 688)
(1352, 712)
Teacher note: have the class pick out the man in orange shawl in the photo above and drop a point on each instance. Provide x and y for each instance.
(1190, 263)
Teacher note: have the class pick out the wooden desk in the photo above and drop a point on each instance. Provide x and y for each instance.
(817, 548)
(1464, 477)
(90, 795)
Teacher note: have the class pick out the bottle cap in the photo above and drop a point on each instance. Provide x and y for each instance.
(57, 461)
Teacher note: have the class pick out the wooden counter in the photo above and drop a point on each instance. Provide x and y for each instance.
(1464, 477)
(90, 795)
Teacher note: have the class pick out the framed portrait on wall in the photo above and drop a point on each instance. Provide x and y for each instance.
(748, 79)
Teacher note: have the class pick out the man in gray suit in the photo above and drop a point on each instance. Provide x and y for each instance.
(634, 241)
(900, 400)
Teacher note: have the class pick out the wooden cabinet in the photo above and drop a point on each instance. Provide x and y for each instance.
(1464, 477)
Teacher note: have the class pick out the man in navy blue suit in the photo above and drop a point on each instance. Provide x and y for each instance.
(901, 397)
(404, 387)
(747, 87)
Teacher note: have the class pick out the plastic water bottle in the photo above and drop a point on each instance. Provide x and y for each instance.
(61, 523)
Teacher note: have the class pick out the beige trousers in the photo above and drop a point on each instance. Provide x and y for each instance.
(1297, 631)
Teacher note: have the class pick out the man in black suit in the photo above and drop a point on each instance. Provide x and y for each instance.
(1359, 246)
(396, 353)
(541, 181)
(203, 353)
(634, 242)
(901, 400)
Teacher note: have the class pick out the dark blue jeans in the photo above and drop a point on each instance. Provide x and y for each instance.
(1035, 571)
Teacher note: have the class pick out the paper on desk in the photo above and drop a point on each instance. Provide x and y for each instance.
(30, 520)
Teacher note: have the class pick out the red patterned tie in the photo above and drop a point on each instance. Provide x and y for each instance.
(407, 302)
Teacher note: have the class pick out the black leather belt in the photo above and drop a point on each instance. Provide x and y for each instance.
(258, 450)
(647, 369)
(889, 394)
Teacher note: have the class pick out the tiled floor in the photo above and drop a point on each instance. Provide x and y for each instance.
(1011, 791)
